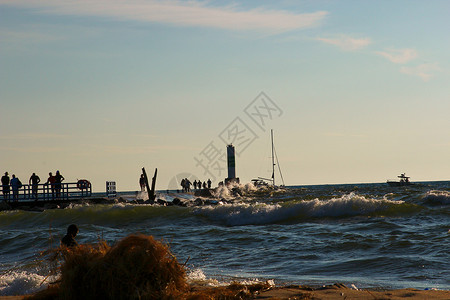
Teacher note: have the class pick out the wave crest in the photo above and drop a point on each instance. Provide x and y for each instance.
(245, 213)
(21, 283)
(437, 197)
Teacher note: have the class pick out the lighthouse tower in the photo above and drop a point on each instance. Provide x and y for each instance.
(231, 161)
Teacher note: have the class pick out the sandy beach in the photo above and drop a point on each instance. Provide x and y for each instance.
(339, 291)
(331, 292)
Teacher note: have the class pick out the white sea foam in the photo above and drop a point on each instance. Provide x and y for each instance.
(233, 189)
(77, 205)
(20, 283)
(222, 192)
(196, 276)
(142, 195)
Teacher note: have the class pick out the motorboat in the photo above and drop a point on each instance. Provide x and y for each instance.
(404, 180)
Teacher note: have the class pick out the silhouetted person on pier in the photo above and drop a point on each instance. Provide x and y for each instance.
(51, 180)
(195, 184)
(69, 239)
(15, 186)
(209, 183)
(58, 184)
(183, 184)
(5, 186)
(142, 182)
(204, 185)
(188, 185)
(34, 181)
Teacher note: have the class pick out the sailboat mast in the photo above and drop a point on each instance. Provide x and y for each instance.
(273, 157)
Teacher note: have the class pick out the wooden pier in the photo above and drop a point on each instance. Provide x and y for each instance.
(43, 194)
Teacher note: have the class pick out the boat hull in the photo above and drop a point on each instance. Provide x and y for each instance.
(398, 183)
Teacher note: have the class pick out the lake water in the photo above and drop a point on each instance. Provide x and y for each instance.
(368, 235)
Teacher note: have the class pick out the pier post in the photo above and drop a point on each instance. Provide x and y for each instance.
(150, 192)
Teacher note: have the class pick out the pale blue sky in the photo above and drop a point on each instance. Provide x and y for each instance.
(99, 89)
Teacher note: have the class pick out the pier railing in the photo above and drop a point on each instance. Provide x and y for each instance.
(45, 192)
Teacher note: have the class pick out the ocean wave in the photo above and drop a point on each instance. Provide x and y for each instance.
(241, 211)
(437, 197)
(197, 277)
(293, 211)
(21, 283)
(350, 205)
(118, 214)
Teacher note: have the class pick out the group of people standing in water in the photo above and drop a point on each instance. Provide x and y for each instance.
(198, 185)
(14, 184)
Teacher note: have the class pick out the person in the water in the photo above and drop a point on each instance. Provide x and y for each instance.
(69, 239)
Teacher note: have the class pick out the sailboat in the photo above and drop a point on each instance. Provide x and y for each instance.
(270, 182)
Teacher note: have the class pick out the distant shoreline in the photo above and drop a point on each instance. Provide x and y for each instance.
(162, 191)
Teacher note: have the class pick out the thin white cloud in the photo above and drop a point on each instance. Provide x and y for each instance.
(344, 135)
(347, 43)
(423, 71)
(17, 35)
(91, 149)
(128, 150)
(188, 13)
(31, 149)
(19, 40)
(147, 136)
(399, 56)
(32, 136)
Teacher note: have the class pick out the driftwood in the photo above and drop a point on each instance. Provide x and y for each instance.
(151, 192)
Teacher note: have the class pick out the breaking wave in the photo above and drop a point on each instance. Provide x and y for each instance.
(293, 211)
(232, 190)
(437, 197)
(21, 283)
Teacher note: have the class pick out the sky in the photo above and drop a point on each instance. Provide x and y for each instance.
(355, 91)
